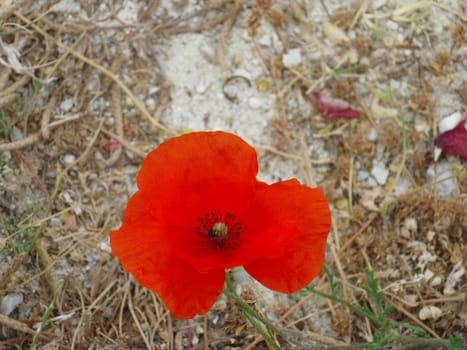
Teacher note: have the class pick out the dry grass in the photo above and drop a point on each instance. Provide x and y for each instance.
(73, 129)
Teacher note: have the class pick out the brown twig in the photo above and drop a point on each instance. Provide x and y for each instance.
(227, 27)
(33, 138)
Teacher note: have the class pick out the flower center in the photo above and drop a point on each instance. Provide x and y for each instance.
(221, 230)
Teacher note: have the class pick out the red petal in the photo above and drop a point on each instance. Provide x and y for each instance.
(199, 156)
(332, 107)
(454, 141)
(294, 221)
(142, 247)
(198, 172)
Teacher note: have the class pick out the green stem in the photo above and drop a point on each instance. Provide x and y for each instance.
(352, 307)
(45, 318)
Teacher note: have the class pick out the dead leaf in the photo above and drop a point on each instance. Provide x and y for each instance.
(332, 107)
(454, 141)
(335, 34)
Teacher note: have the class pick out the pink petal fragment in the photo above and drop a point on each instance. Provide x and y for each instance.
(454, 141)
(332, 107)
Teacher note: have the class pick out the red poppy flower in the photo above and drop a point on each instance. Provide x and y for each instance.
(200, 210)
(333, 107)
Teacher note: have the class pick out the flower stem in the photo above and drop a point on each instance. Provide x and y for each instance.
(259, 323)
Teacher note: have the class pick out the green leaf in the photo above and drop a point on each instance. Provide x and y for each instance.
(384, 206)
(386, 96)
(37, 84)
(456, 343)
(4, 127)
(335, 288)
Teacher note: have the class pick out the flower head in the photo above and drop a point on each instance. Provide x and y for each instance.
(200, 210)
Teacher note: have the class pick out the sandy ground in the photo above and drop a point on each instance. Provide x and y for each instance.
(88, 88)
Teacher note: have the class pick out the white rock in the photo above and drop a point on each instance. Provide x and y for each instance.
(56, 222)
(362, 175)
(150, 102)
(449, 122)
(66, 6)
(153, 89)
(78, 210)
(454, 278)
(392, 25)
(67, 197)
(16, 134)
(10, 302)
(69, 158)
(436, 281)
(105, 246)
(430, 312)
(265, 40)
(201, 88)
(129, 12)
(372, 135)
(380, 174)
(292, 58)
(411, 224)
(67, 104)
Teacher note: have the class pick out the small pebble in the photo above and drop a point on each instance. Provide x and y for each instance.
(153, 89)
(16, 134)
(265, 40)
(10, 302)
(392, 25)
(150, 102)
(292, 58)
(67, 197)
(362, 175)
(77, 210)
(56, 222)
(201, 88)
(380, 174)
(372, 135)
(449, 122)
(67, 104)
(436, 281)
(69, 158)
(105, 246)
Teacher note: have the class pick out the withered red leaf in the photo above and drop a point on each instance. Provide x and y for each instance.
(332, 107)
(454, 141)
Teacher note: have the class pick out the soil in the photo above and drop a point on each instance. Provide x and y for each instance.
(87, 89)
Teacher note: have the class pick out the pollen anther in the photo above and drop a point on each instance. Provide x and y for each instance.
(219, 231)
(222, 230)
